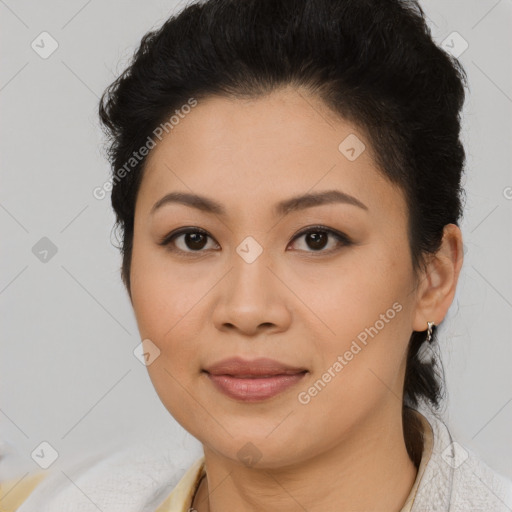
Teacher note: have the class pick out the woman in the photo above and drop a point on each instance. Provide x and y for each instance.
(287, 180)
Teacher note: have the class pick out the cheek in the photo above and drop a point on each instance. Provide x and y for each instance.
(167, 311)
(352, 295)
(367, 310)
(169, 308)
(164, 297)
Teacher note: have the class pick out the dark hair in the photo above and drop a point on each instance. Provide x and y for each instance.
(372, 62)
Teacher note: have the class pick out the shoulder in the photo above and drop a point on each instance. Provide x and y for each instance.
(456, 479)
(138, 477)
(478, 486)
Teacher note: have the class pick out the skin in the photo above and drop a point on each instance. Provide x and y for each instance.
(344, 450)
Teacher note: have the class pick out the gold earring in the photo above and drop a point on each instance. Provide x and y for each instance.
(430, 325)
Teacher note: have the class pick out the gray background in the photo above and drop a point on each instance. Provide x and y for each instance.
(67, 369)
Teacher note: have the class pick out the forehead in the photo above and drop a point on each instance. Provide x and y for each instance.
(280, 145)
(282, 123)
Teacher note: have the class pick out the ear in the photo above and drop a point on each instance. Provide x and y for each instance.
(438, 282)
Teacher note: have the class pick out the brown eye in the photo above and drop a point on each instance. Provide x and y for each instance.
(195, 241)
(187, 240)
(316, 239)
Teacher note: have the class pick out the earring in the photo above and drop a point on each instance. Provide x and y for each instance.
(430, 325)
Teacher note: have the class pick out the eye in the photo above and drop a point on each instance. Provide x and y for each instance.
(317, 238)
(194, 240)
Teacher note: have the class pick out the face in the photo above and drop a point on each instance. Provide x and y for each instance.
(322, 286)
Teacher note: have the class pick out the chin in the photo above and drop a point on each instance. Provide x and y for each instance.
(255, 448)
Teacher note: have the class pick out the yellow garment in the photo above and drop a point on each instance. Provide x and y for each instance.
(14, 492)
(180, 499)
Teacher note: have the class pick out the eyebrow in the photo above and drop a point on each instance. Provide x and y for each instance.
(282, 208)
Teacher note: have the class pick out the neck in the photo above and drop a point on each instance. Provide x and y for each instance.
(369, 470)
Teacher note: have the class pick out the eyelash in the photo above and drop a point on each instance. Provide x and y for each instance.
(342, 239)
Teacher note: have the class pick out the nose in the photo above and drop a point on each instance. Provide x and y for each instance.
(252, 299)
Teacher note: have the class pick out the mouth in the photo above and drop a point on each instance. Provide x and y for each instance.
(253, 380)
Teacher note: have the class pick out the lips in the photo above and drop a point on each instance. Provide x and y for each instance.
(255, 380)
(262, 367)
